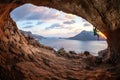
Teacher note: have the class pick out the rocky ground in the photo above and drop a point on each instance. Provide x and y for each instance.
(25, 59)
(43, 63)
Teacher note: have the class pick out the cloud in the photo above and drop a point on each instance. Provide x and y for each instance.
(27, 26)
(83, 20)
(47, 21)
(40, 16)
(86, 24)
(38, 23)
(31, 12)
(28, 23)
(69, 22)
(53, 26)
(70, 16)
(20, 12)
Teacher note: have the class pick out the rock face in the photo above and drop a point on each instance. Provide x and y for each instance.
(103, 54)
(29, 34)
(99, 13)
(21, 60)
(86, 36)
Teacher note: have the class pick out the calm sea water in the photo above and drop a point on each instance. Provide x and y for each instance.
(75, 45)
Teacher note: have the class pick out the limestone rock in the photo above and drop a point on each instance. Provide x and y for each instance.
(22, 60)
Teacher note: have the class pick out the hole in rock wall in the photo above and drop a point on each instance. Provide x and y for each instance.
(58, 29)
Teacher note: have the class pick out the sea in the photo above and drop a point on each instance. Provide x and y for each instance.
(75, 45)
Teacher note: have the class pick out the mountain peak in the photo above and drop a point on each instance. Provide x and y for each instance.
(86, 36)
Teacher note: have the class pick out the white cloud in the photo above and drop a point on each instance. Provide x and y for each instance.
(32, 12)
(47, 21)
(69, 22)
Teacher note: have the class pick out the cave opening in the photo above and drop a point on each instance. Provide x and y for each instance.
(51, 23)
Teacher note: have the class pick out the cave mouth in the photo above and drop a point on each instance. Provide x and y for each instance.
(51, 23)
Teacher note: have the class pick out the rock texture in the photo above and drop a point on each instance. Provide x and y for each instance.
(21, 60)
(102, 14)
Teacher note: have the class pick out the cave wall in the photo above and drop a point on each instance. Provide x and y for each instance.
(15, 50)
(103, 14)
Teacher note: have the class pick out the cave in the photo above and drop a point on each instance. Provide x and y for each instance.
(104, 15)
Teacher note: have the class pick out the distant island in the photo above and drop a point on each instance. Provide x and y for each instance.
(35, 36)
(86, 36)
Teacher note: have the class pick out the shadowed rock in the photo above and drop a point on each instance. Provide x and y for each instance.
(21, 59)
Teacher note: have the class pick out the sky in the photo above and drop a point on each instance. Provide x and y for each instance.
(48, 22)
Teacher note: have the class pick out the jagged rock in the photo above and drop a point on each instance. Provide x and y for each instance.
(29, 34)
(20, 60)
(100, 13)
(98, 60)
(103, 54)
(87, 53)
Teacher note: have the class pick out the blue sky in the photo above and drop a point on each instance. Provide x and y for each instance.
(48, 22)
